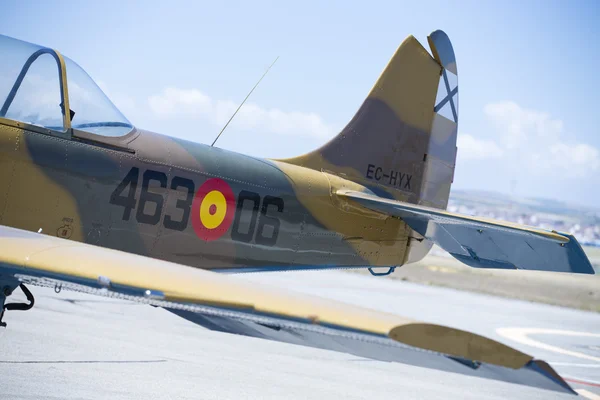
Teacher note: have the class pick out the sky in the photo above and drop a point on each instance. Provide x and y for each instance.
(528, 83)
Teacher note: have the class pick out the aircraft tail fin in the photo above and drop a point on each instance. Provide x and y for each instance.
(402, 141)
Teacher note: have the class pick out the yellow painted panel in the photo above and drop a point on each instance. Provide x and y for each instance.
(39, 254)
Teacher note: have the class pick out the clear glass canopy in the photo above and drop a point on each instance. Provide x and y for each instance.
(31, 91)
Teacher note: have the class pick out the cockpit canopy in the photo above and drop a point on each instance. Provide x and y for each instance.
(34, 83)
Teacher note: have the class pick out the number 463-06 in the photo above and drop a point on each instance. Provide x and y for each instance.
(124, 196)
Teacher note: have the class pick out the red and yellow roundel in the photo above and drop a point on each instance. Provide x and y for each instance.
(213, 209)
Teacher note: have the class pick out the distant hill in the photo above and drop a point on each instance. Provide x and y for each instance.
(582, 221)
(533, 204)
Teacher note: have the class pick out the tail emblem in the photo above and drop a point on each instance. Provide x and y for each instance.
(449, 98)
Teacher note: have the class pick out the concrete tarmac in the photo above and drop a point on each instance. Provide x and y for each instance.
(77, 346)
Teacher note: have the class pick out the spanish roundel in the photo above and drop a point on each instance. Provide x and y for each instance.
(212, 209)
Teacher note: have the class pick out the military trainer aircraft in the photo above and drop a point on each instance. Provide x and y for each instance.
(91, 203)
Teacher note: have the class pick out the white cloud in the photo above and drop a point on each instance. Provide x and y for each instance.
(577, 155)
(192, 103)
(519, 125)
(537, 143)
(471, 148)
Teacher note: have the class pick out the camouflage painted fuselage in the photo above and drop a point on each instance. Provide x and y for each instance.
(64, 187)
(189, 203)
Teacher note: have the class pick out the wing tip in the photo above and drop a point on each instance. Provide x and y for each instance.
(459, 343)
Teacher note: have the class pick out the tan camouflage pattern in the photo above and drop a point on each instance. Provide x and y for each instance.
(62, 183)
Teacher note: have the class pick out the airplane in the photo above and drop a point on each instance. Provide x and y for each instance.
(93, 204)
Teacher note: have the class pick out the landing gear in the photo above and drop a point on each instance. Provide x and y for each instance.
(7, 290)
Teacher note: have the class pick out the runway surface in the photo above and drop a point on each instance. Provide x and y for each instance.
(76, 346)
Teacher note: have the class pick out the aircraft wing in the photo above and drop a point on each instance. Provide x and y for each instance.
(230, 304)
(484, 243)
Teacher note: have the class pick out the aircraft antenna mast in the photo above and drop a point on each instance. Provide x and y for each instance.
(240, 106)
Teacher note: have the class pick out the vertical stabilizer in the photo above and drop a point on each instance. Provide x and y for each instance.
(402, 141)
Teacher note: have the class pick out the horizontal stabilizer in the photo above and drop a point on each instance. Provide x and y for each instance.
(484, 243)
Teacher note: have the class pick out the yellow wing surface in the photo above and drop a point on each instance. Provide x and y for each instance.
(48, 261)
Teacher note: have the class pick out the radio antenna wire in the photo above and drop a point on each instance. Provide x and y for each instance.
(240, 106)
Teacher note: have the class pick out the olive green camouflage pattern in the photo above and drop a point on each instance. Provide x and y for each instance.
(149, 194)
